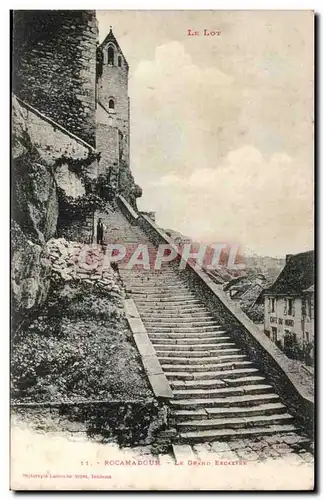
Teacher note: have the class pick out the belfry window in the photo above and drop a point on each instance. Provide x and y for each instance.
(111, 56)
(119, 61)
(111, 104)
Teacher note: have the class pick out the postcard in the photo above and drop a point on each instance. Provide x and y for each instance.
(162, 250)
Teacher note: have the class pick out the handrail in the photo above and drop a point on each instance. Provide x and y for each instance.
(126, 208)
(55, 124)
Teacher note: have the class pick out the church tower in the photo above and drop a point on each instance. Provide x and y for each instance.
(112, 110)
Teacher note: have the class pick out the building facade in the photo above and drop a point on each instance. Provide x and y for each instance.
(289, 307)
(112, 109)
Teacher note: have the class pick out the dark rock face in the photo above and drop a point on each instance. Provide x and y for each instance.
(30, 273)
(54, 66)
(35, 203)
(39, 154)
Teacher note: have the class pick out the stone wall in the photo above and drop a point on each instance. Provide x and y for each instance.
(54, 66)
(108, 147)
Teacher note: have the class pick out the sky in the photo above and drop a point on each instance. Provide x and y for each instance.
(222, 126)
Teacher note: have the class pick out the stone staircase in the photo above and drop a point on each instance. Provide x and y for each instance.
(219, 393)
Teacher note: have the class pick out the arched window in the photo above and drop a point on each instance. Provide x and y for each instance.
(119, 61)
(111, 55)
(111, 104)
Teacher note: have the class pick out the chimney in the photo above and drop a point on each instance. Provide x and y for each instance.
(288, 257)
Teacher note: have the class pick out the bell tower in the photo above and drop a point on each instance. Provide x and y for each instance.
(112, 109)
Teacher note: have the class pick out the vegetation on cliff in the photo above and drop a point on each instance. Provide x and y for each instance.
(80, 347)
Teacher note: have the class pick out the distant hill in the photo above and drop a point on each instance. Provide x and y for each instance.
(255, 264)
(270, 267)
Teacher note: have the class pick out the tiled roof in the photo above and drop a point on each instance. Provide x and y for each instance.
(296, 277)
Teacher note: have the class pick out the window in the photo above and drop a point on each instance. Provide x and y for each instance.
(119, 61)
(310, 307)
(274, 334)
(111, 104)
(111, 55)
(272, 305)
(290, 307)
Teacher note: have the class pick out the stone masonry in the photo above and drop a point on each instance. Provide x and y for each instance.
(54, 66)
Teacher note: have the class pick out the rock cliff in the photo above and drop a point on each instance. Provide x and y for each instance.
(49, 168)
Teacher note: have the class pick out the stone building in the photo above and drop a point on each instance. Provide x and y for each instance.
(289, 307)
(54, 66)
(112, 119)
(112, 132)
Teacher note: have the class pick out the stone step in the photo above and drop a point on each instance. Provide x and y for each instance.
(246, 400)
(194, 347)
(181, 324)
(228, 434)
(222, 391)
(163, 279)
(183, 453)
(163, 297)
(210, 375)
(157, 296)
(238, 422)
(214, 383)
(203, 369)
(188, 308)
(182, 329)
(175, 352)
(183, 320)
(138, 272)
(199, 413)
(222, 412)
(188, 335)
(160, 288)
(199, 361)
(168, 301)
(187, 312)
(189, 341)
(232, 411)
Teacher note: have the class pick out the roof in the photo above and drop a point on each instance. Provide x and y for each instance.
(233, 282)
(111, 38)
(239, 290)
(252, 293)
(296, 276)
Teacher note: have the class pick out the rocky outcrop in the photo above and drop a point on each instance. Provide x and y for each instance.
(48, 163)
(75, 261)
(30, 273)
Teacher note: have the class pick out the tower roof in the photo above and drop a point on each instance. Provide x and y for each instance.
(111, 38)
